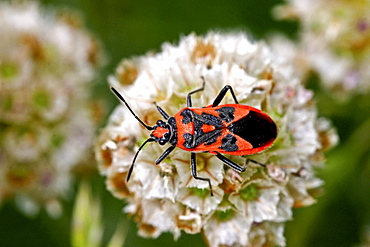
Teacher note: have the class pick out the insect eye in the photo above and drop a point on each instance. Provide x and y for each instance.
(160, 123)
(161, 142)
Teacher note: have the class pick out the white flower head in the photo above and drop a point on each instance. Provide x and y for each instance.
(334, 42)
(248, 208)
(46, 124)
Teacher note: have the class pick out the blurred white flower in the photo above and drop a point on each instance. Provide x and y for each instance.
(247, 209)
(365, 236)
(46, 124)
(334, 41)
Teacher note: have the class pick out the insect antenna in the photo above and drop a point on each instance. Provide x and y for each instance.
(132, 112)
(133, 161)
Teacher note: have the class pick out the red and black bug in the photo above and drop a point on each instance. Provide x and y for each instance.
(231, 129)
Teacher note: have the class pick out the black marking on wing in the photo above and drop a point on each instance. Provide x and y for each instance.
(187, 116)
(189, 140)
(198, 128)
(256, 128)
(208, 138)
(226, 113)
(208, 119)
(229, 143)
(199, 137)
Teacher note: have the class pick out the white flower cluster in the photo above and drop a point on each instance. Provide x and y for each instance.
(46, 126)
(247, 209)
(334, 41)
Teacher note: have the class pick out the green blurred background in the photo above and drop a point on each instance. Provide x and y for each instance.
(134, 27)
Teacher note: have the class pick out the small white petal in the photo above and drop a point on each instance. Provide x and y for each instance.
(232, 232)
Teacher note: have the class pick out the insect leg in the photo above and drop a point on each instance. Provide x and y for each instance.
(188, 99)
(165, 154)
(230, 163)
(255, 162)
(222, 94)
(161, 111)
(194, 172)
